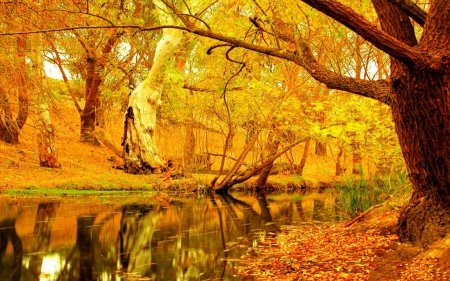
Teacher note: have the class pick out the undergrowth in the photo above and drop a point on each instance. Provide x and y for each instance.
(358, 193)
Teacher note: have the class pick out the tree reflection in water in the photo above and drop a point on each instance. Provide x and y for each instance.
(189, 239)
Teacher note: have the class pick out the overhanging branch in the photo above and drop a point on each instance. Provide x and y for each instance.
(368, 31)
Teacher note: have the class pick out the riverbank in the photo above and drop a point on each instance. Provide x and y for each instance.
(84, 167)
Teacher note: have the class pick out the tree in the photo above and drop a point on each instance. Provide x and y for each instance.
(140, 151)
(417, 93)
(13, 69)
(48, 156)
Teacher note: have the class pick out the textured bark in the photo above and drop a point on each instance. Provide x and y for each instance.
(140, 150)
(420, 103)
(94, 68)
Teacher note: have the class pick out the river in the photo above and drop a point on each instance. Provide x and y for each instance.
(142, 237)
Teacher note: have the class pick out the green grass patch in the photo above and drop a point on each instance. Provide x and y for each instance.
(65, 192)
(357, 194)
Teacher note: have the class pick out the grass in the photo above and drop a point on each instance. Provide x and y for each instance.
(357, 194)
(64, 192)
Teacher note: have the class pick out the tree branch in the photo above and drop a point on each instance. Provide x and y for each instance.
(378, 90)
(368, 31)
(412, 10)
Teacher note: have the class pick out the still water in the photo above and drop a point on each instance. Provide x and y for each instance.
(136, 238)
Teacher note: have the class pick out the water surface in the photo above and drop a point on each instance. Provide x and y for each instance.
(136, 238)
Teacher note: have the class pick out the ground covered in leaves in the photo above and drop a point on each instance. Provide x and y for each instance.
(334, 252)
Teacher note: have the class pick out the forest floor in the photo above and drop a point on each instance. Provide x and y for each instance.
(367, 250)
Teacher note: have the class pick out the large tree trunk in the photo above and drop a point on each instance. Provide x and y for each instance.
(140, 150)
(421, 113)
(423, 127)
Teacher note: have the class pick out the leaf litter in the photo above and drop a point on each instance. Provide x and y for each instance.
(334, 252)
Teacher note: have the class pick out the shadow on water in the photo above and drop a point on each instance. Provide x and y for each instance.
(188, 239)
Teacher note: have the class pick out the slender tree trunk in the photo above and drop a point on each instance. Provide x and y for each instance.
(48, 156)
(302, 163)
(273, 142)
(95, 67)
(10, 127)
(357, 158)
(339, 168)
(189, 146)
(320, 149)
(140, 150)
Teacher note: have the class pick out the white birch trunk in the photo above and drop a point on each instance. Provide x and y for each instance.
(140, 151)
(48, 156)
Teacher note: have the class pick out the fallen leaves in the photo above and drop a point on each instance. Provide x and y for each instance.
(330, 252)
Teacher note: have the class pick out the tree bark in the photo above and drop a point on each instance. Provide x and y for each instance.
(48, 156)
(94, 66)
(140, 150)
(302, 163)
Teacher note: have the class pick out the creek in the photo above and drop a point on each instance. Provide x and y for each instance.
(142, 237)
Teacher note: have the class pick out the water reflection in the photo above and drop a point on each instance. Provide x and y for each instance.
(188, 239)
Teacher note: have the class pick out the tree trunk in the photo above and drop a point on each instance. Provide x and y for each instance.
(94, 68)
(321, 149)
(339, 168)
(140, 150)
(357, 158)
(10, 127)
(273, 141)
(48, 156)
(426, 151)
(189, 146)
(302, 163)
(420, 111)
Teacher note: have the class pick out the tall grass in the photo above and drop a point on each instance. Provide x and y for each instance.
(357, 194)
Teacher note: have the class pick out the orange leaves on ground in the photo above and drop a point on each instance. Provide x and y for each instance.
(327, 252)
